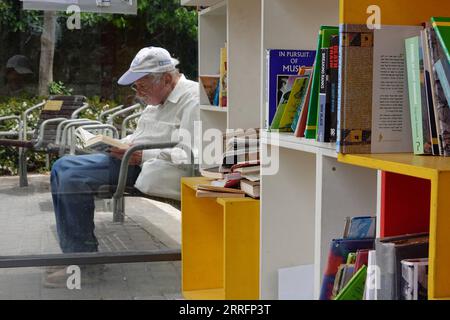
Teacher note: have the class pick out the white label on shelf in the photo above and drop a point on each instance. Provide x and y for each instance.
(296, 283)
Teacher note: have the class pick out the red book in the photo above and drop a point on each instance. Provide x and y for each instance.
(362, 258)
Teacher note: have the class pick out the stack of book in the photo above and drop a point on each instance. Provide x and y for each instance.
(361, 267)
(240, 180)
(240, 167)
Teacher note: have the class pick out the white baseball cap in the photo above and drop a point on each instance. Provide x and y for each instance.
(148, 60)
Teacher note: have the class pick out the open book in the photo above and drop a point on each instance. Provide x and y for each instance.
(98, 142)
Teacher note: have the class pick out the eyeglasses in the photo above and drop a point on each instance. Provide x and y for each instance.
(134, 87)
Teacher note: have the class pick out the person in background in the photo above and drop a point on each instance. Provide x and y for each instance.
(18, 71)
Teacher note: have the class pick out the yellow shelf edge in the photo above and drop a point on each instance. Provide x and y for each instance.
(388, 164)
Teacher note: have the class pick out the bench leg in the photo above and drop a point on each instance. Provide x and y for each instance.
(23, 179)
(119, 210)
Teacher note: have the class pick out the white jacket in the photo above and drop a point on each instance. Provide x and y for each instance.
(161, 169)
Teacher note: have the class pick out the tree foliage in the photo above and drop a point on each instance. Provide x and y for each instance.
(158, 22)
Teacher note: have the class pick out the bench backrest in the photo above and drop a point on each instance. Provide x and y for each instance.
(57, 107)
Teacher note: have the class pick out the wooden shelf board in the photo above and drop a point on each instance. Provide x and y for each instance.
(426, 167)
(289, 141)
(213, 109)
(208, 294)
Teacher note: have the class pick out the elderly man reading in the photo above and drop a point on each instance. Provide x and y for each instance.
(172, 109)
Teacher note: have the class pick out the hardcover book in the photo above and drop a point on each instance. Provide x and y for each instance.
(293, 112)
(324, 104)
(324, 97)
(296, 99)
(280, 65)
(442, 27)
(325, 34)
(354, 290)
(421, 132)
(389, 254)
(414, 279)
(292, 86)
(299, 123)
(429, 82)
(361, 228)
(208, 88)
(223, 85)
(333, 87)
(373, 98)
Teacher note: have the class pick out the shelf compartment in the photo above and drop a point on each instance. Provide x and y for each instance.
(220, 245)
(437, 171)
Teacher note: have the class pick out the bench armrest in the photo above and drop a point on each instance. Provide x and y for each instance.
(106, 112)
(121, 184)
(123, 111)
(77, 112)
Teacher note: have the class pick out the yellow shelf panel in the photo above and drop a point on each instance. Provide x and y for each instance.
(220, 245)
(208, 294)
(425, 167)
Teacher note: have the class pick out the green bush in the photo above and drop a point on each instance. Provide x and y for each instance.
(35, 160)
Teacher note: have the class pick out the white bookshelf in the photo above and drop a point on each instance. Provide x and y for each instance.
(235, 23)
(303, 205)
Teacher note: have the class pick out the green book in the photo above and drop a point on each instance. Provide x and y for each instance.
(442, 27)
(415, 99)
(325, 34)
(354, 290)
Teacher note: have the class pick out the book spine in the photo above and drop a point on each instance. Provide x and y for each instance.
(429, 93)
(341, 94)
(327, 114)
(412, 64)
(443, 73)
(334, 70)
(441, 105)
(323, 95)
(267, 92)
(311, 122)
(385, 259)
(438, 26)
(432, 52)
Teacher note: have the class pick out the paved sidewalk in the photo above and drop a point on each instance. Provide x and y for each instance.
(28, 227)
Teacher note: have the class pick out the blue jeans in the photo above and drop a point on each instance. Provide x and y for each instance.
(74, 181)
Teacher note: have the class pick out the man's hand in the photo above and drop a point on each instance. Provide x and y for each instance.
(135, 160)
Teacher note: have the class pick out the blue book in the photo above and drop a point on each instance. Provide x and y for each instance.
(216, 95)
(362, 228)
(280, 65)
(442, 68)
